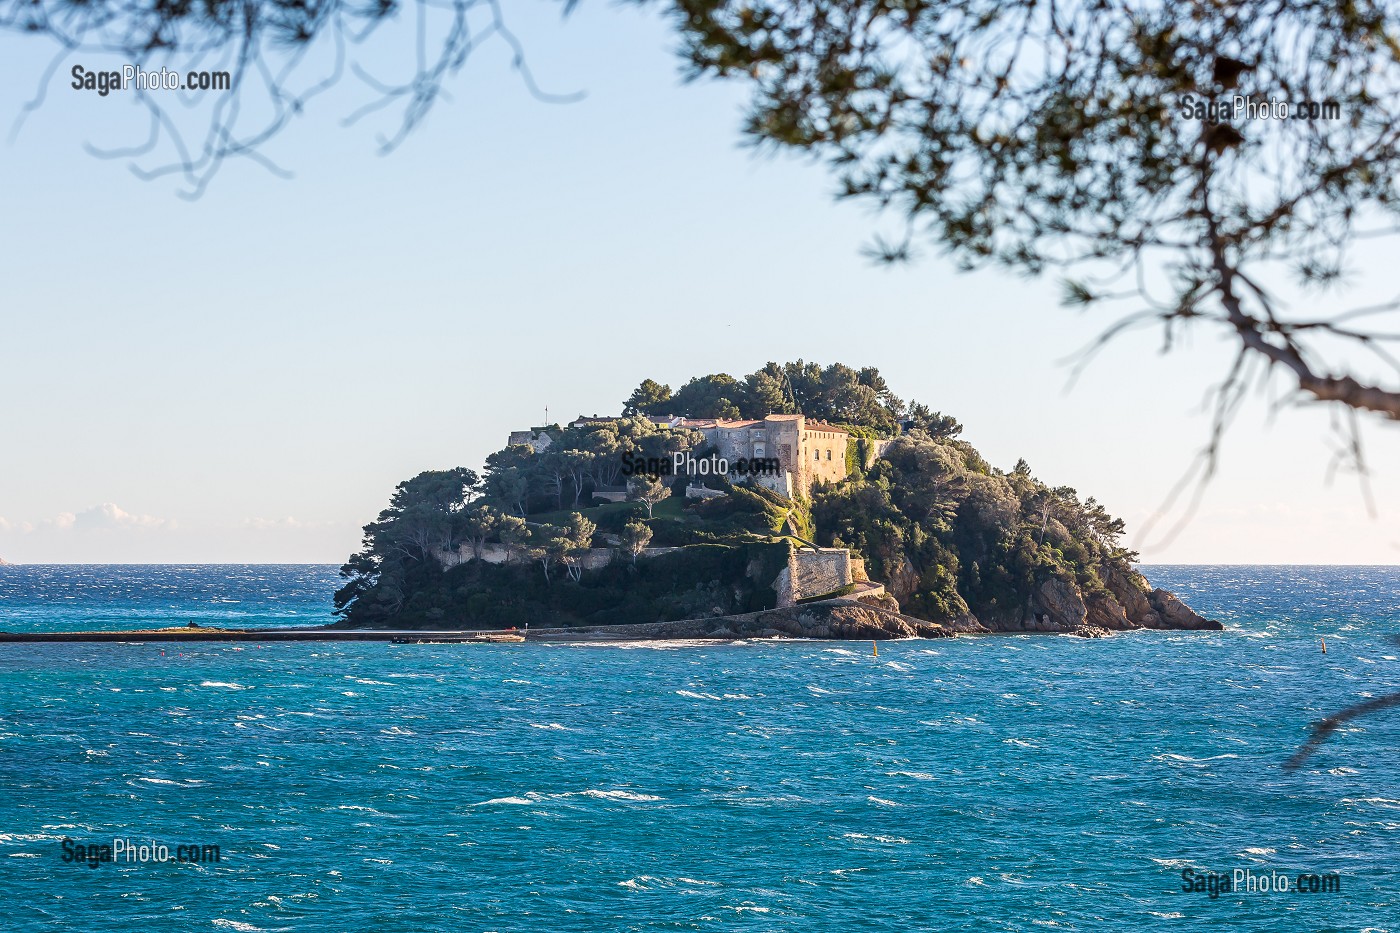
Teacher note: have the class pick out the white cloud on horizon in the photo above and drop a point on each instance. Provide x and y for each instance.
(109, 515)
(108, 533)
(102, 517)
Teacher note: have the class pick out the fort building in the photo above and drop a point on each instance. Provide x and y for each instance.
(806, 450)
(537, 439)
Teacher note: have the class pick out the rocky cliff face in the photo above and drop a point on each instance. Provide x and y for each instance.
(1060, 606)
(1056, 607)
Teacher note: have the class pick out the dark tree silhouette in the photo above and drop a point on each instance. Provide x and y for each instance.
(279, 54)
(1063, 136)
(1323, 728)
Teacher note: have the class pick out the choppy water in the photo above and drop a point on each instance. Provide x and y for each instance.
(994, 783)
(64, 597)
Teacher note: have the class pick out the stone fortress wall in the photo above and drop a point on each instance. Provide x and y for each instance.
(814, 572)
(810, 571)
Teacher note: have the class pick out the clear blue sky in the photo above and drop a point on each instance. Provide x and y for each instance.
(246, 377)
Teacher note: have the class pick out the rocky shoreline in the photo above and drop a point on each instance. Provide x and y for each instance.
(843, 619)
(1057, 608)
(879, 619)
(1060, 606)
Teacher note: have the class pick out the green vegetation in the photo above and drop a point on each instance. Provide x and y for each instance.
(609, 516)
(942, 529)
(947, 533)
(858, 400)
(562, 476)
(846, 590)
(701, 580)
(412, 570)
(648, 490)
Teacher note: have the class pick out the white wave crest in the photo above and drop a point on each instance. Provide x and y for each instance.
(618, 795)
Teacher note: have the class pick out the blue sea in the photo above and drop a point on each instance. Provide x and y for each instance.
(1029, 782)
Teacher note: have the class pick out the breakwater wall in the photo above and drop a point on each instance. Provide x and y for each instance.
(259, 635)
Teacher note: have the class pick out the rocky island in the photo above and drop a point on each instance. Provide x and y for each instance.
(800, 501)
